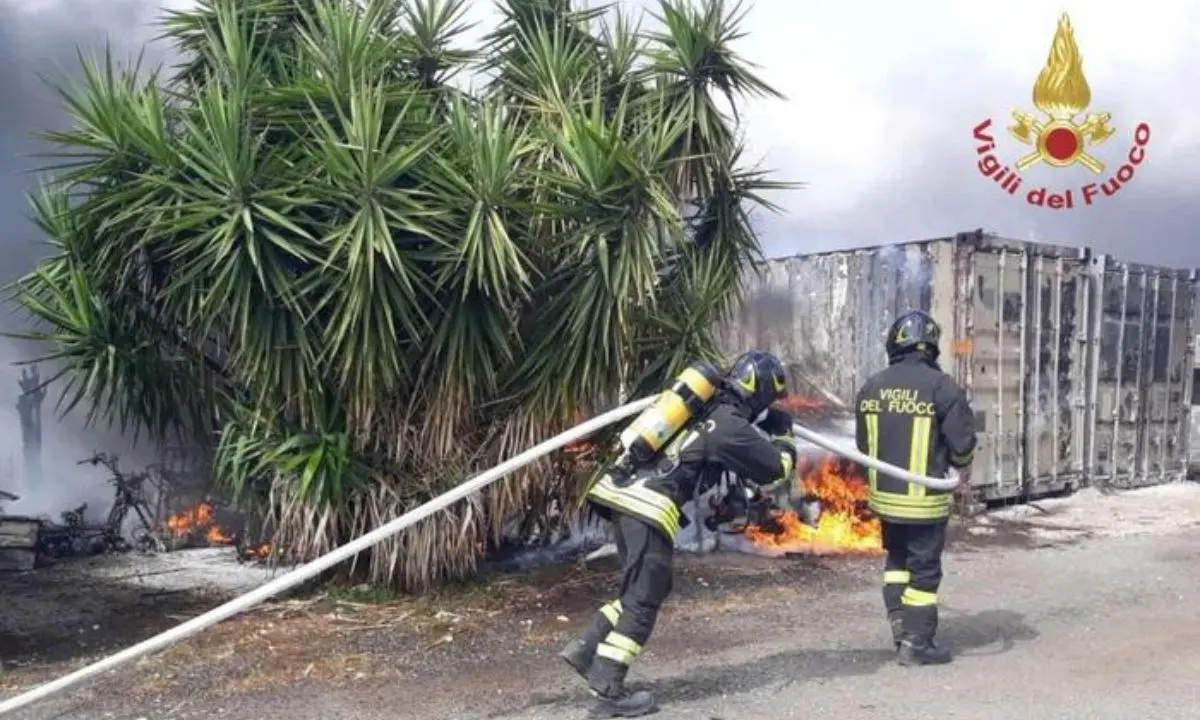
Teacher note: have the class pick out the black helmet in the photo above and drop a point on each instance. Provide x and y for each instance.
(757, 379)
(914, 331)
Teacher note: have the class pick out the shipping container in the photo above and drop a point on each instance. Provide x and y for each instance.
(1079, 366)
(1194, 446)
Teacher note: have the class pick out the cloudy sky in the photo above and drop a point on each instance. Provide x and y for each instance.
(881, 101)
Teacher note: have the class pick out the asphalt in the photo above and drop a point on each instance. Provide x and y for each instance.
(1086, 623)
(1105, 630)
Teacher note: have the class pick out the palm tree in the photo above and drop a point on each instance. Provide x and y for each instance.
(315, 243)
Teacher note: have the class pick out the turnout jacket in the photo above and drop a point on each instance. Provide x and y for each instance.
(913, 415)
(723, 440)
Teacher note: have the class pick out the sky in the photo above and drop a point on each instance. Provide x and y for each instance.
(881, 101)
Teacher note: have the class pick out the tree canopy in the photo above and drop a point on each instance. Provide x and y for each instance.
(364, 260)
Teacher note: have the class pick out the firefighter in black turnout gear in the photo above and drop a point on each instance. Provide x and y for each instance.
(641, 494)
(913, 415)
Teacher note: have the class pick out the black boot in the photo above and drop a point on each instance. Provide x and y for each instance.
(580, 652)
(896, 620)
(917, 646)
(892, 594)
(607, 682)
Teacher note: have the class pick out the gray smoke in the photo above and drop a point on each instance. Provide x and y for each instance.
(41, 40)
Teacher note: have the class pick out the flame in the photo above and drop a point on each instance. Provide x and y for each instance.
(216, 536)
(198, 521)
(1061, 90)
(800, 403)
(582, 447)
(189, 521)
(260, 551)
(845, 524)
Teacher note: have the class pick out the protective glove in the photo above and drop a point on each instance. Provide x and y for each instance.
(786, 446)
(777, 423)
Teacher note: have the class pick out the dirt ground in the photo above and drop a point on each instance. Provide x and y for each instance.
(1076, 607)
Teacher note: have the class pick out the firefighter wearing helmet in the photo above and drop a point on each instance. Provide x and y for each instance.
(913, 415)
(703, 424)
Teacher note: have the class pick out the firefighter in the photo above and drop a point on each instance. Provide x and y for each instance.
(913, 415)
(643, 504)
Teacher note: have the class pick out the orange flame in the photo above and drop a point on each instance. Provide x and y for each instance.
(800, 403)
(198, 521)
(845, 524)
(189, 521)
(260, 551)
(216, 536)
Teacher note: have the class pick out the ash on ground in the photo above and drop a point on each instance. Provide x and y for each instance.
(1156, 510)
(214, 570)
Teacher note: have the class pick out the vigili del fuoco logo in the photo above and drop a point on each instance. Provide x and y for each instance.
(1059, 138)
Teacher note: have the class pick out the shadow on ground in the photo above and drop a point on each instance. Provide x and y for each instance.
(990, 632)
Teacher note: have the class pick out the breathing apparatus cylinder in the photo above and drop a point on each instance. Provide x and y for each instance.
(683, 401)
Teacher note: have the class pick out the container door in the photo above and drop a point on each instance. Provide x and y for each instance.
(1055, 374)
(1143, 358)
(1162, 446)
(998, 287)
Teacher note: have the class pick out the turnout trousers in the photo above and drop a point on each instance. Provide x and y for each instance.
(620, 629)
(911, 577)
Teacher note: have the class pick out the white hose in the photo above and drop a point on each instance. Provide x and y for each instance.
(312, 569)
(339, 555)
(943, 484)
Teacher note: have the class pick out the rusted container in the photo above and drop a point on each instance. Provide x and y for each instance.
(1078, 366)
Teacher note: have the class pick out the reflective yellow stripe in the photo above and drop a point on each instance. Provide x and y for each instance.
(900, 512)
(918, 452)
(617, 655)
(785, 459)
(624, 642)
(896, 577)
(612, 611)
(619, 648)
(918, 597)
(930, 507)
(935, 500)
(641, 501)
(872, 421)
(962, 460)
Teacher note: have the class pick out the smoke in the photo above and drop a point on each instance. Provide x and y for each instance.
(40, 42)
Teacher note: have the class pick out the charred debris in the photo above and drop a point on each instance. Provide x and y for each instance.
(148, 514)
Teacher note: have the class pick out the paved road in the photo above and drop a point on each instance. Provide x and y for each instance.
(1062, 625)
(1108, 630)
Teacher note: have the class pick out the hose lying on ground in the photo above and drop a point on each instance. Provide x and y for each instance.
(341, 554)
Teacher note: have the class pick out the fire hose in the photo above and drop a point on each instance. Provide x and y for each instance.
(335, 557)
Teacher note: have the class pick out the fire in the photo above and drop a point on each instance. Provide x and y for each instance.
(199, 521)
(260, 551)
(845, 524)
(216, 536)
(800, 403)
(581, 448)
(189, 521)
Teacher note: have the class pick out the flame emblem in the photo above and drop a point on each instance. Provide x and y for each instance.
(1061, 93)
